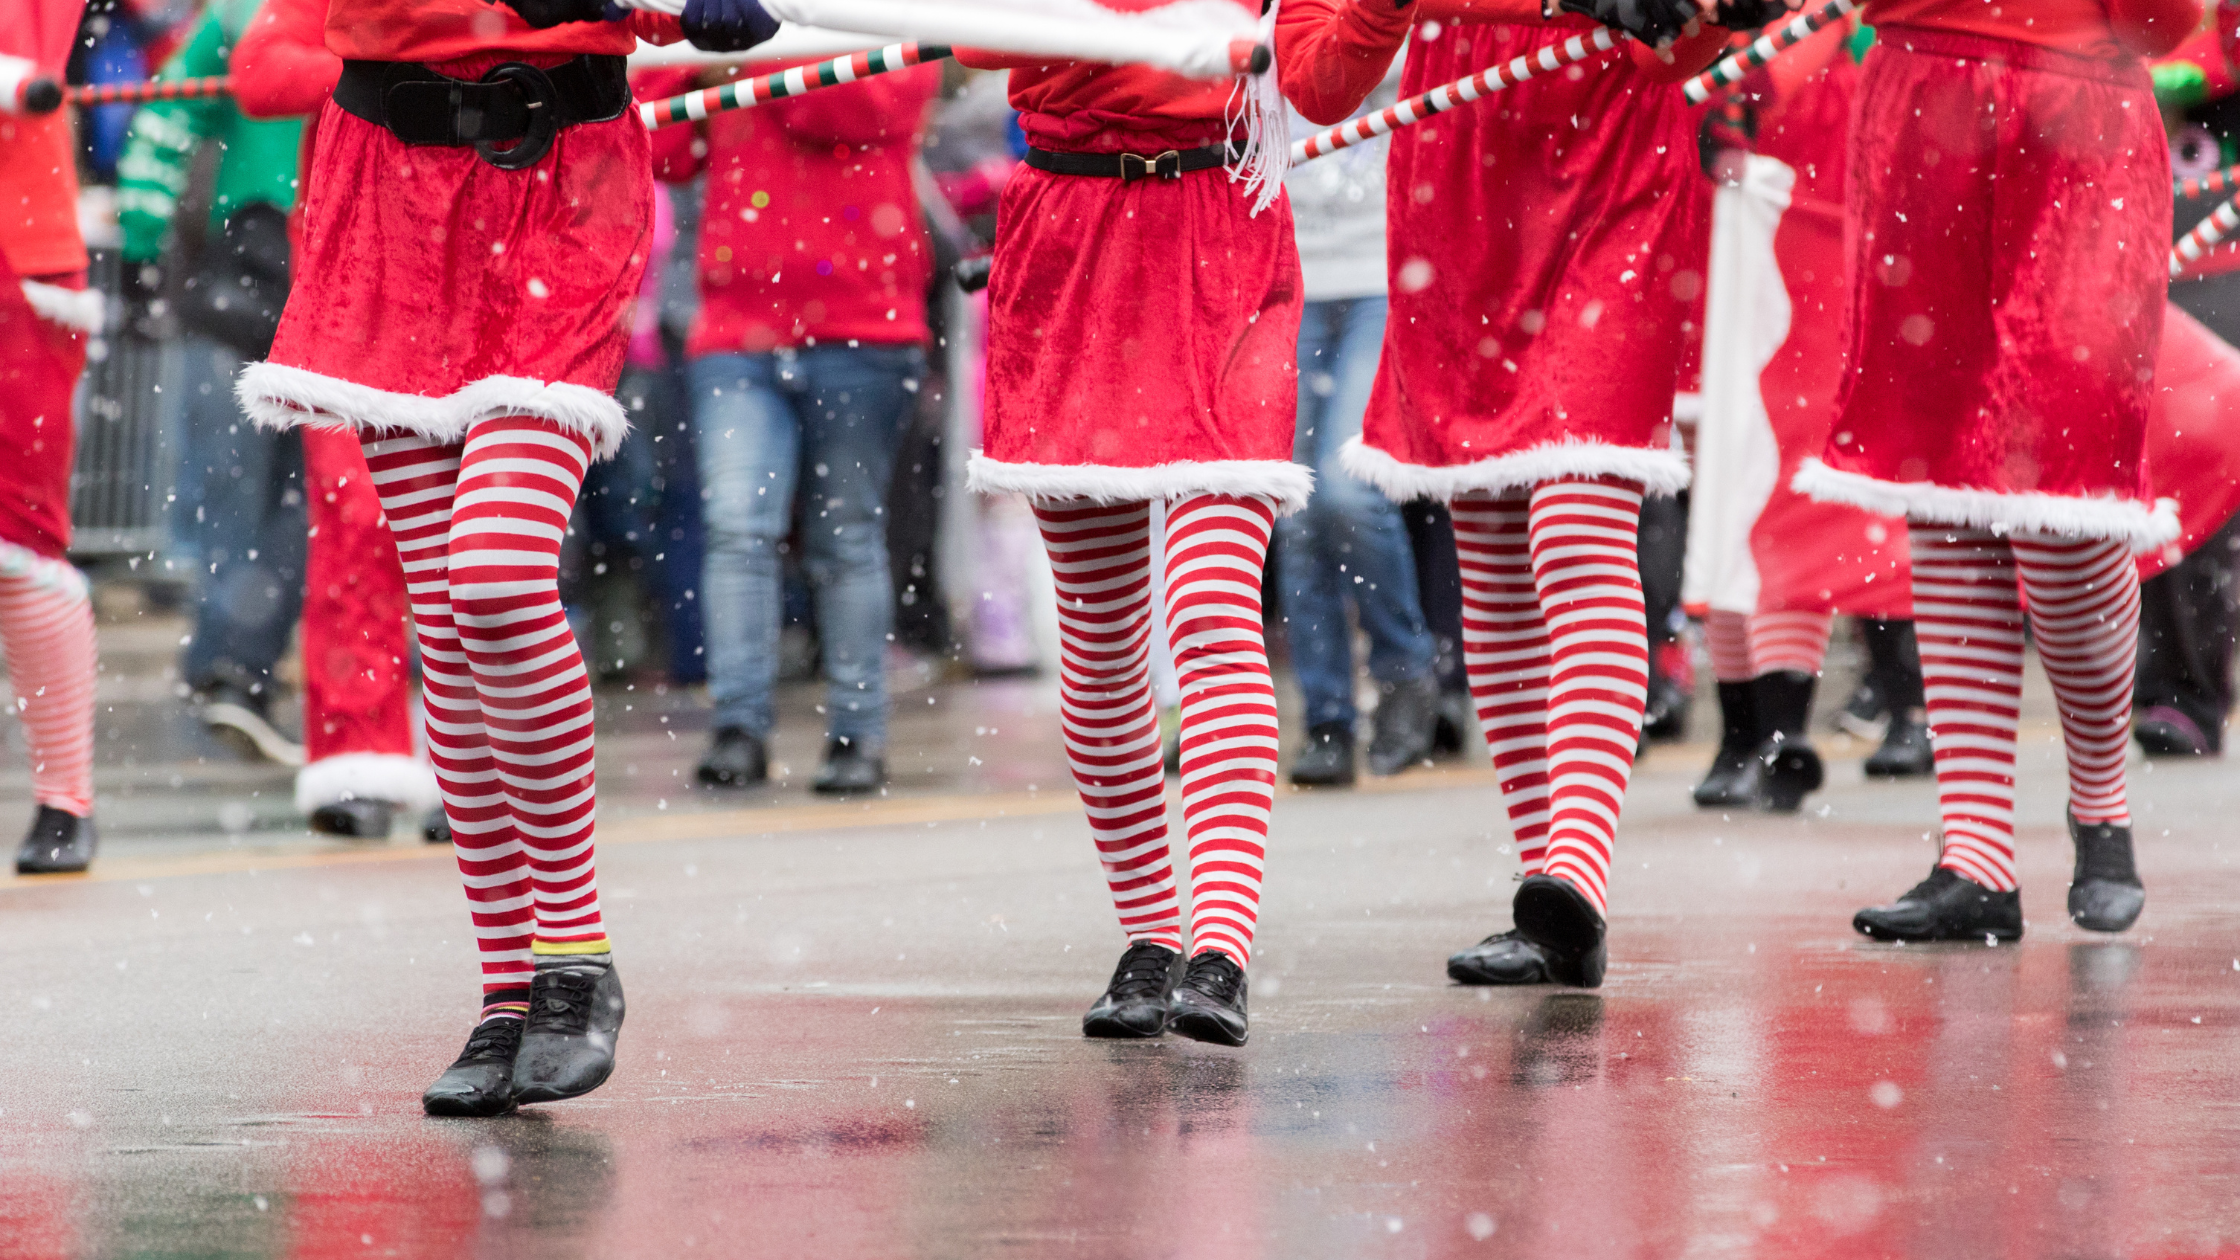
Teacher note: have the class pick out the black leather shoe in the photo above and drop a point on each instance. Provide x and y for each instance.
(1732, 782)
(1906, 752)
(1209, 1004)
(59, 843)
(849, 769)
(1326, 759)
(480, 1081)
(2105, 894)
(1557, 917)
(575, 1012)
(1405, 725)
(359, 820)
(1945, 907)
(734, 759)
(436, 827)
(1503, 958)
(1135, 1003)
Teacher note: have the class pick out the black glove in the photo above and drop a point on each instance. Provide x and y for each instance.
(727, 25)
(544, 13)
(1749, 15)
(1653, 22)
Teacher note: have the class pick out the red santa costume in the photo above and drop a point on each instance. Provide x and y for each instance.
(357, 697)
(461, 307)
(2009, 208)
(1768, 568)
(1528, 379)
(1140, 346)
(46, 315)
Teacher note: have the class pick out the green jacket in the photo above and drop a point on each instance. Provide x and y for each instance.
(257, 158)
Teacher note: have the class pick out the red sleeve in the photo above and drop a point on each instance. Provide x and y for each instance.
(282, 67)
(989, 59)
(881, 110)
(679, 148)
(2152, 28)
(1525, 11)
(1330, 54)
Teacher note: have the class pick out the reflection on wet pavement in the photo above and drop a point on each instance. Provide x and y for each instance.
(863, 1042)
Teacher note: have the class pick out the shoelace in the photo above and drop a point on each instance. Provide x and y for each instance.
(560, 1001)
(1216, 977)
(1142, 973)
(1927, 890)
(493, 1039)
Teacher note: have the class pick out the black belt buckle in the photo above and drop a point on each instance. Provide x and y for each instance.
(1135, 166)
(542, 101)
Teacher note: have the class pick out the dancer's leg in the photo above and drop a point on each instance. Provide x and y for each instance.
(46, 630)
(1969, 623)
(1789, 642)
(1505, 655)
(2084, 613)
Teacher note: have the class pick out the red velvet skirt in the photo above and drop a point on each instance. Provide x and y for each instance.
(1140, 341)
(2010, 225)
(1544, 265)
(41, 356)
(432, 290)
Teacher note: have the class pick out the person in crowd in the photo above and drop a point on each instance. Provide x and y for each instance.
(359, 768)
(2002, 406)
(46, 317)
(1499, 395)
(460, 302)
(805, 362)
(243, 490)
(1350, 545)
(1143, 313)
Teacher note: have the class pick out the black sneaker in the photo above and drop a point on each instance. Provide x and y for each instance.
(1906, 752)
(247, 715)
(1209, 1004)
(575, 1012)
(734, 759)
(59, 843)
(1945, 907)
(1404, 727)
(1326, 759)
(480, 1081)
(849, 769)
(2105, 894)
(357, 820)
(1135, 1003)
(1503, 958)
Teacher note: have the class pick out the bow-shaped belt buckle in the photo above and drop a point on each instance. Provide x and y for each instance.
(1135, 166)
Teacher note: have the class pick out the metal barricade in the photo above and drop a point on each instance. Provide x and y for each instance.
(120, 487)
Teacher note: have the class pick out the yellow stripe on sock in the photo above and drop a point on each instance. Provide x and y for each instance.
(599, 946)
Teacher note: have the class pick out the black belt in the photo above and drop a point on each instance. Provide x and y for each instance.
(1129, 167)
(514, 101)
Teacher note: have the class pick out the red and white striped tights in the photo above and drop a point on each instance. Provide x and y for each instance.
(1556, 645)
(1216, 548)
(478, 527)
(46, 632)
(1745, 645)
(2084, 612)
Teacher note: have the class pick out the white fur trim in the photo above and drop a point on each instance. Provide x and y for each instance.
(276, 396)
(18, 561)
(79, 310)
(1287, 483)
(2067, 516)
(1659, 472)
(364, 776)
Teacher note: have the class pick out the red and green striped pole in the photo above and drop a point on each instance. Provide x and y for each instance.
(149, 90)
(1439, 100)
(2205, 236)
(748, 93)
(2224, 181)
(1763, 49)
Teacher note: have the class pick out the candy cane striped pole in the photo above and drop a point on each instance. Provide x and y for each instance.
(1415, 109)
(2224, 181)
(2205, 236)
(151, 90)
(748, 93)
(1763, 49)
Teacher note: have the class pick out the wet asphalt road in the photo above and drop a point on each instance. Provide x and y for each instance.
(853, 1031)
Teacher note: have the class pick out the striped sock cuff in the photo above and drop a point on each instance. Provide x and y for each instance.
(548, 949)
(504, 1004)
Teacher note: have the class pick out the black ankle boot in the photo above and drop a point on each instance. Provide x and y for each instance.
(567, 1049)
(1135, 1003)
(1326, 759)
(1733, 780)
(59, 843)
(1788, 767)
(735, 758)
(1945, 907)
(2105, 894)
(480, 1081)
(849, 769)
(1209, 1004)
(1906, 752)
(359, 819)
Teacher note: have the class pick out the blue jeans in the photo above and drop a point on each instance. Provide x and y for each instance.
(1350, 542)
(826, 419)
(251, 526)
